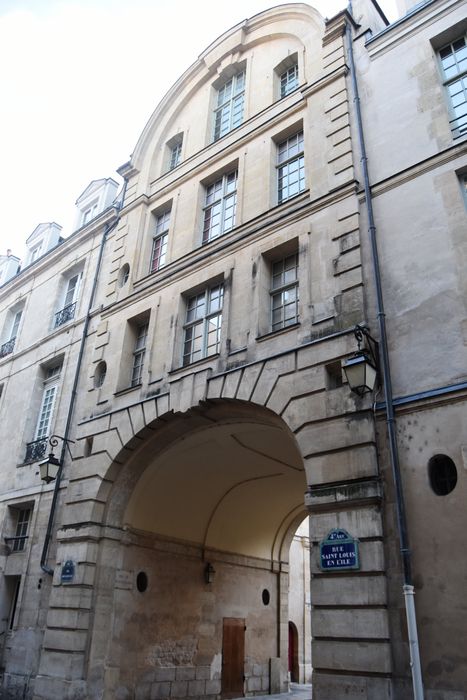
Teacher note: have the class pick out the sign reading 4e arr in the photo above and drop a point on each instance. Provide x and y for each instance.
(339, 552)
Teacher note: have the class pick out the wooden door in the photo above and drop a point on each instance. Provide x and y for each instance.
(293, 654)
(233, 657)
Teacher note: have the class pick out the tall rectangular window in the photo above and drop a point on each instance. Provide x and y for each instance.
(284, 292)
(22, 525)
(220, 207)
(228, 113)
(289, 80)
(8, 346)
(203, 323)
(15, 325)
(139, 353)
(290, 167)
(454, 65)
(36, 450)
(175, 155)
(45, 415)
(67, 312)
(159, 245)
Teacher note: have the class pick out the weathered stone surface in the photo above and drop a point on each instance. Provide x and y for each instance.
(358, 623)
(357, 656)
(329, 687)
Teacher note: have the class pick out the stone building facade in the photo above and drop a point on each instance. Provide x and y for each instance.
(187, 341)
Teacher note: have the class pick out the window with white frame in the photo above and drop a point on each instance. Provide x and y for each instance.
(203, 323)
(23, 517)
(220, 206)
(139, 351)
(175, 155)
(67, 312)
(52, 375)
(37, 449)
(159, 244)
(89, 213)
(290, 167)
(11, 333)
(284, 292)
(453, 59)
(228, 113)
(289, 80)
(35, 252)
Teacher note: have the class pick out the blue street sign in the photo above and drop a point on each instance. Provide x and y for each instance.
(68, 572)
(339, 552)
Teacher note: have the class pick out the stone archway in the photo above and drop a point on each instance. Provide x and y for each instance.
(336, 446)
(219, 487)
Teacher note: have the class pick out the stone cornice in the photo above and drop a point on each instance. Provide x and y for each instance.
(301, 207)
(420, 168)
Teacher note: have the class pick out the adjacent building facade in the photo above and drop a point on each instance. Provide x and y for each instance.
(186, 344)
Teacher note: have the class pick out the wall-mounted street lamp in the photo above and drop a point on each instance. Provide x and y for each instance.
(209, 573)
(361, 370)
(49, 467)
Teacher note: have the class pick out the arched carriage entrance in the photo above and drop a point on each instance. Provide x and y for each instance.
(197, 493)
(207, 507)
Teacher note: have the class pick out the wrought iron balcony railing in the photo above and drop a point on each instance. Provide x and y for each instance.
(36, 450)
(7, 347)
(64, 315)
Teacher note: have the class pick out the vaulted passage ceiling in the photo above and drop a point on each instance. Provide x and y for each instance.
(235, 487)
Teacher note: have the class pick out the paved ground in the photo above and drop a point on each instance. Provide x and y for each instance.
(297, 692)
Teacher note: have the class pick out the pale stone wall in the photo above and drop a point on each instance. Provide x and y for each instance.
(279, 397)
(38, 290)
(299, 597)
(420, 217)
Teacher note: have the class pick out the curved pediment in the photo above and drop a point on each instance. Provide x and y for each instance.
(256, 46)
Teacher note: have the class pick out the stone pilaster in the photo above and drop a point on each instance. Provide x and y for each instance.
(351, 654)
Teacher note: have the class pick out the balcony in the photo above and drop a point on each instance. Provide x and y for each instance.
(66, 314)
(36, 450)
(7, 347)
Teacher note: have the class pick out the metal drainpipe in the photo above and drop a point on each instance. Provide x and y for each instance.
(71, 406)
(408, 589)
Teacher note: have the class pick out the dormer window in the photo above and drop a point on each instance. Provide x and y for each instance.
(44, 237)
(95, 199)
(35, 252)
(89, 213)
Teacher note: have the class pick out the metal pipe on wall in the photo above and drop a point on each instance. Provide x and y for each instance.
(50, 522)
(408, 589)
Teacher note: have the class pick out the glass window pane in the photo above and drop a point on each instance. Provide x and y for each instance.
(203, 338)
(230, 103)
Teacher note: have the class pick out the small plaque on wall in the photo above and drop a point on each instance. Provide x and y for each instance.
(68, 572)
(339, 552)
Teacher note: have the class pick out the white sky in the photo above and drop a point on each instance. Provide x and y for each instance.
(80, 79)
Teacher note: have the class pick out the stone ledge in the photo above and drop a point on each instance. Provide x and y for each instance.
(341, 494)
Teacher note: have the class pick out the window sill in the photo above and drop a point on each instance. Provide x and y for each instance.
(197, 363)
(280, 331)
(127, 390)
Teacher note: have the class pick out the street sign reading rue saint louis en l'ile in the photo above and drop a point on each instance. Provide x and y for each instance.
(339, 552)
